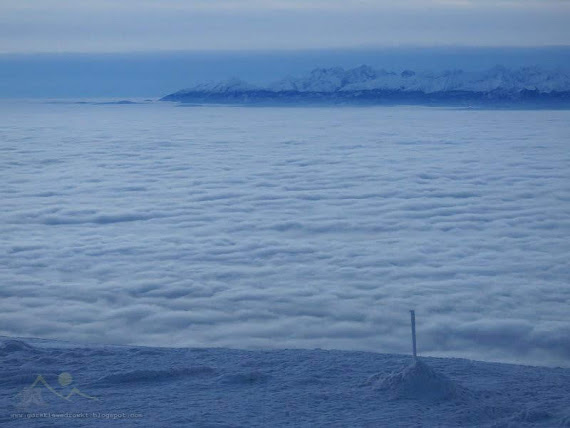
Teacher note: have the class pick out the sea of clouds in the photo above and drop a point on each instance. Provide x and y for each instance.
(160, 225)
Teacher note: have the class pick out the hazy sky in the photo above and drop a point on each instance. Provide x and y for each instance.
(141, 25)
(99, 48)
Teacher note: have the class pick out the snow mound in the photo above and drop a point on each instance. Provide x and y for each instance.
(419, 381)
(138, 376)
(14, 345)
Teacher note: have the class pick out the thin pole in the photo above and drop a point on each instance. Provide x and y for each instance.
(413, 316)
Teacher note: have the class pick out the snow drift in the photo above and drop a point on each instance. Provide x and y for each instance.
(419, 381)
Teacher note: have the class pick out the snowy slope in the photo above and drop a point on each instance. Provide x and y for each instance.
(364, 82)
(200, 387)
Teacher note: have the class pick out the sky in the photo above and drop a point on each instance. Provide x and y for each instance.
(143, 25)
(148, 48)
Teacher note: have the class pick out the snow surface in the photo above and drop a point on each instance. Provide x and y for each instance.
(152, 224)
(208, 387)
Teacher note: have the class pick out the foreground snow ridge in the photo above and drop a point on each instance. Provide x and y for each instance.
(201, 387)
(369, 86)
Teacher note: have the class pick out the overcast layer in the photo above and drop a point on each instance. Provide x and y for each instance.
(142, 25)
(282, 227)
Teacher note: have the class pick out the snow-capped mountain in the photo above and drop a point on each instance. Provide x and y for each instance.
(365, 84)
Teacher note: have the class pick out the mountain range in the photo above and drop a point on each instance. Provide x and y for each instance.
(366, 85)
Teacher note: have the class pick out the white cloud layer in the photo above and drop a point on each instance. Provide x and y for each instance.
(288, 227)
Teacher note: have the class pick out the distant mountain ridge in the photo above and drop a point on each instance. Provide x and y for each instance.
(365, 84)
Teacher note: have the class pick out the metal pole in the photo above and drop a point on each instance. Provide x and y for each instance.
(413, 316)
